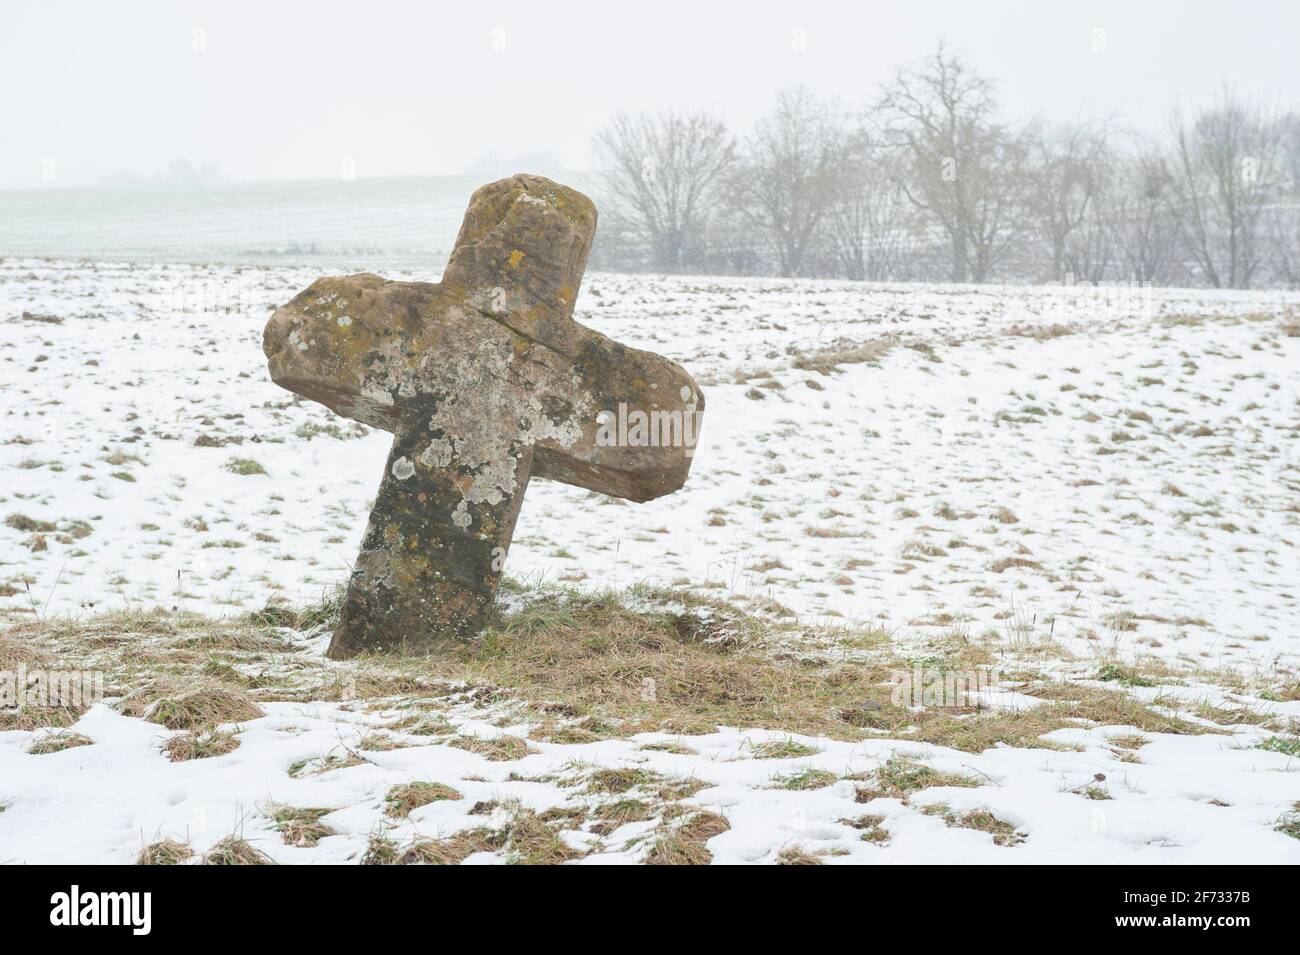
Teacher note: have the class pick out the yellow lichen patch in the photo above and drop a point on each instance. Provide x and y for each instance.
(516, 256)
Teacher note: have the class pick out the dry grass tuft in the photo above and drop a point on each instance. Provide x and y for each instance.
(1123, 675)
(621, 812)
(318, 765)
(805, 779)
(589, 730)
(981, 820)
(829, 359)
(526, 839)
(300, 827)
(423, 724)
(1289, 822)
(189, 746)
(532, 840)
(1109, 708)
(324, 611)
(364, 681)
(190, 704)
(871, 828)
(153, 636)
(38, 717)
(793, 855)
(677, 749)
(615, 782)
(1041, 333)
(899, 778)
(783, 749)
(682, 840)
(678, 787)
(1069, 705)
(1007, 563)
(1230, 715)
(452, 850)
(1093, 792)
(381, 850)
(402, 799)
(235, 851)
(164, 852)
(973, 733)
(498, 748)
(56, 741)
(244, 466)
(16, 651)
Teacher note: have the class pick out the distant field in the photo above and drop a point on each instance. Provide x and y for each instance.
(408, 221)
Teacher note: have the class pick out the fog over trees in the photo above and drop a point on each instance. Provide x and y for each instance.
(928, 179)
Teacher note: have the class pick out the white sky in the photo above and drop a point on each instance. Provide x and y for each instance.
(288, 90)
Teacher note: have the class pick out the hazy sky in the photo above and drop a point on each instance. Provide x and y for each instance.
(292, 90)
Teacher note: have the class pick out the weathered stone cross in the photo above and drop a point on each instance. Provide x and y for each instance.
(485, 380)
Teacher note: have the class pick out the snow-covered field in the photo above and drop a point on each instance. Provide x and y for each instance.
(1053, 474)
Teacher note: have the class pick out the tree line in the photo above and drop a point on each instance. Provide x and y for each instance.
(930, 182)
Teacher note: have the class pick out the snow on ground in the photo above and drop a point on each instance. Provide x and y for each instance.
(1112, 477)
(1193, 799)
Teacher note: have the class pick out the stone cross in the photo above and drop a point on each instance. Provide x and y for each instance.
(485, 380)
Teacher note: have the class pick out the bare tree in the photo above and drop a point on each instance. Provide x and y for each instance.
(1290, 145)
(1070, 166)
(1091, 250)
(965, 169)
(1284, 237)
(869, 227)
(932, 182)
(1283, 215)
(793, 164)
(663, 172)
(1227, 166)
(1141, 214)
